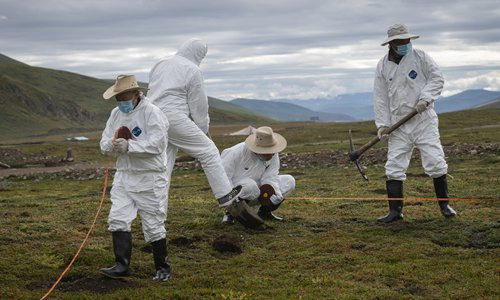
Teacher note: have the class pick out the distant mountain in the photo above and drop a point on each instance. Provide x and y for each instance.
(223, 112)
(357, 105)
(37, 101)
(360, 105)
(465, 100)
(289, 112)
(490, 104)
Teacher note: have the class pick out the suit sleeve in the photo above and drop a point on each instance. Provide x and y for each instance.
(270, 175)
(435, 80)
(381, 99)
(156, 143)
(107, 136)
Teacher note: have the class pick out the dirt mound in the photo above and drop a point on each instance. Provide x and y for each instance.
(37, 164)
(335, 158)
(14, 158)
(227, 243)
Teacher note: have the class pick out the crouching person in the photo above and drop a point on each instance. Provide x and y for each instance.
(136, 134)
(254, 164)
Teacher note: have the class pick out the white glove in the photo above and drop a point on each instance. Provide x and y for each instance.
(421, 105)
(380, 135)
(121, 146)
(276, 199)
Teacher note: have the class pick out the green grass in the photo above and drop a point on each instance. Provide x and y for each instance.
(323, 249)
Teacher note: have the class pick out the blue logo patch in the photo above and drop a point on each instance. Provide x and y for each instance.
(136, 131)
(413, 74)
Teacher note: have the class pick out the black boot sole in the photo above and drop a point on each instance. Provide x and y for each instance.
(386, 220)
(114, 276)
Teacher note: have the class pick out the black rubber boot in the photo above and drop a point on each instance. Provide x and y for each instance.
(265, 212)
(122, 246)
(441, 189)
(394, 190)
(160, 258)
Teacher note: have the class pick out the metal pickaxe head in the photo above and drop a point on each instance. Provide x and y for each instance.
(354, 156)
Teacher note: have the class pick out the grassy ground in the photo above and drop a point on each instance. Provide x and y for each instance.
(324, 249)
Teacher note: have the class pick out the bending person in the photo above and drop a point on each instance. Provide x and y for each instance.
(176, 87)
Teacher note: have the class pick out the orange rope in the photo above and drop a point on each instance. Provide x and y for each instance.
(388, 199)
(86, 237)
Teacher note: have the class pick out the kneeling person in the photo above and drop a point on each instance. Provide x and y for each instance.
(136, 134)
(254, 164)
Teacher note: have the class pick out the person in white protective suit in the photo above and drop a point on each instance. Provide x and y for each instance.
(254, 164)
(408, 79)
(136, 133)
(176, 87)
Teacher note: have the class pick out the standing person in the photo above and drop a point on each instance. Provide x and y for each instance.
(408, 79)
(255, 165)
(176, 87)
(136, 133)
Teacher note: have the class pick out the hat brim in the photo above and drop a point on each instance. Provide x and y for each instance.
(403, 36)
(278, 147)
(110, 92)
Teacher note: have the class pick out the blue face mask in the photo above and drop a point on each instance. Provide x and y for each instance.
(125, 106)
(403, 49)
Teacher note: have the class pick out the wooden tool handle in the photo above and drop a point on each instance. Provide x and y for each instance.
(395, 126)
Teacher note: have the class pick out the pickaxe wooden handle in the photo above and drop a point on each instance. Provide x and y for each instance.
(354, 154)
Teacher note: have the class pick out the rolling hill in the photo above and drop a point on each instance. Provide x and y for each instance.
(223, 112)
(490, 104)
(360, 105)
(465, 100)
(357, 105)
(289, 112)
(40, 101)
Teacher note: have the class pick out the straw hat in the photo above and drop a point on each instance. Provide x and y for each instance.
(265, 141)
(124, 83)
(398, 32)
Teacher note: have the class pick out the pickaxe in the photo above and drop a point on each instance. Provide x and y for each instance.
(354, 154)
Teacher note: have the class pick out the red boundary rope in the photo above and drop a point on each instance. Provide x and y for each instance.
(389, 199)
(288, 198)
(86, 237)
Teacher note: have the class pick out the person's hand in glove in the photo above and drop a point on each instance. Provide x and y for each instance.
(276, 199)
(382, 136)
(421, 105)
(121, 145)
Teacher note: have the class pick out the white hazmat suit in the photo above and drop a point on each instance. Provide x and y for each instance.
(140, 184)
(176, 87)
(397, 89)
(245, 168)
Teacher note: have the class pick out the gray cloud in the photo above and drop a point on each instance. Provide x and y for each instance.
(260, 49)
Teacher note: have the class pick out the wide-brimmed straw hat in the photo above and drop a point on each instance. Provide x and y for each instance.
(398, 32)
(265, 141)
(124, 83)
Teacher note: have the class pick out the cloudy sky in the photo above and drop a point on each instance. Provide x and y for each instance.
(257, 49)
